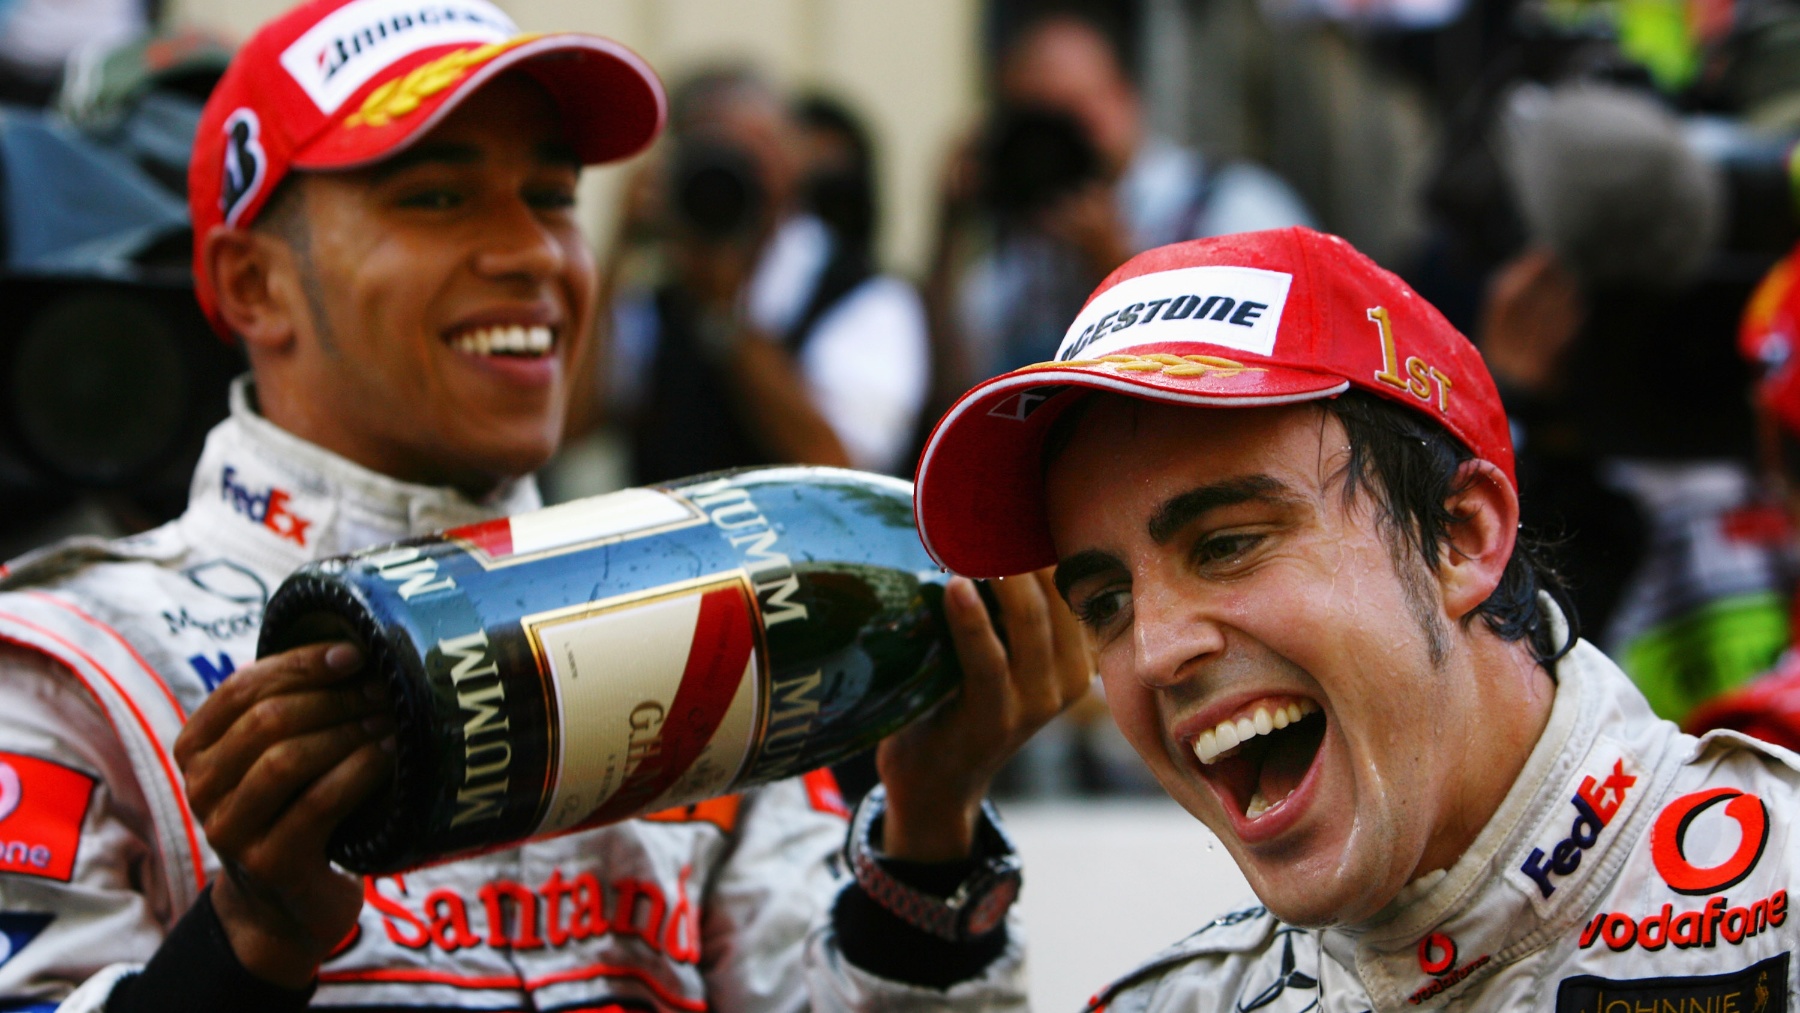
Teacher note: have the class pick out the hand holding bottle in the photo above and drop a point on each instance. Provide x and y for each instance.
(937, 769)
(273, 760)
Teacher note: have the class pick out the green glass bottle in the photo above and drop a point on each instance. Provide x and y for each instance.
(624, 654)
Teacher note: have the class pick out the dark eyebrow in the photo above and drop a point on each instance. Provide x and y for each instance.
(425, 154)
(1081, 566)
(1179, 511)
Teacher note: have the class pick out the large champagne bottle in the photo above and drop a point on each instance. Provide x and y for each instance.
(627, 653)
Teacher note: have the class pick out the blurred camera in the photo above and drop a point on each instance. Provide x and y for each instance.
(110, 377)
(715, 192)
(1031, 157)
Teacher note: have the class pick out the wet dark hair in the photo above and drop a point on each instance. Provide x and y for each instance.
(1407, 464)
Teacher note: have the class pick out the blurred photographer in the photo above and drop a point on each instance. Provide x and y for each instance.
(1061, 185)
(768, 337)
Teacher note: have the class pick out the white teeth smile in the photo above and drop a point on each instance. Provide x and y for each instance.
(505, 341)
(1217, 743)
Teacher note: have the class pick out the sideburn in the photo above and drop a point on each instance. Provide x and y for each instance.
(1417, 586)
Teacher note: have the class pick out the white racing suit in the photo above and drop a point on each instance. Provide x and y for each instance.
(1631, 869)
(106, 647)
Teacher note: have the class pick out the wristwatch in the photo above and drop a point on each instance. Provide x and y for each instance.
(978, 904)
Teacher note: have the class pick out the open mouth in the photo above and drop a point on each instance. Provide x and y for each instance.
(1260, 755)
(533, 342)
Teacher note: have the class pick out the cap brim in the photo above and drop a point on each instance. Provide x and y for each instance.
(612, 104)
(978, 495)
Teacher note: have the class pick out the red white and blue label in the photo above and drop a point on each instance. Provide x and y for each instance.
(568, 527)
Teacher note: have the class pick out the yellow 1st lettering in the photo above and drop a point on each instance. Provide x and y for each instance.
(1419, 377)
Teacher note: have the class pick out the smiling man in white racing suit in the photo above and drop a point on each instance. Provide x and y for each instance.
(382, 194)
(1278, 490)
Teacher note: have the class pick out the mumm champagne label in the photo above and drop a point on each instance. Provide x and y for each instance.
(656, 696)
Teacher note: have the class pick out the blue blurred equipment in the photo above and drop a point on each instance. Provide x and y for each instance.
(109, 375)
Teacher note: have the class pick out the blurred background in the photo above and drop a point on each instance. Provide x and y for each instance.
(862, 208)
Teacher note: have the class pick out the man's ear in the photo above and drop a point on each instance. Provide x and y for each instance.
(252, 281)
(1479, 543)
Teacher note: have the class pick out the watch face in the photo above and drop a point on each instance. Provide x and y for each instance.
(987, 913)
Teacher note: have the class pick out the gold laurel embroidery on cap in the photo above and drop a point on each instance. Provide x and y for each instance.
(1159, 362)
(401, 96)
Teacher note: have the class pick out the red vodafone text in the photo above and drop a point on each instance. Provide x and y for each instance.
(1717, 920)
(1437, 957)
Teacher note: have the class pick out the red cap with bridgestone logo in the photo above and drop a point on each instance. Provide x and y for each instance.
(336, 84)
(1257, 318)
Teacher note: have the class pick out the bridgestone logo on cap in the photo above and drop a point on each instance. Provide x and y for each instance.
(341, 53)
(245, 163)
(1232, 307)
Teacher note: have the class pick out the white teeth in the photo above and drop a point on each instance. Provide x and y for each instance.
(1217, 743)
(514, 340)
(1228, 736)
(1206, 747)
(1257, 805)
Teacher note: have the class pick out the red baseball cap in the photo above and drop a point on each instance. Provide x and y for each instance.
(336, 84)
(1257, 318)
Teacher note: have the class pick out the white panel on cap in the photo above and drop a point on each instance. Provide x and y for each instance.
(355, 42)
(1231, 307)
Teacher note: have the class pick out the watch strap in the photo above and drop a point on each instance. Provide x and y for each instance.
(976, 907)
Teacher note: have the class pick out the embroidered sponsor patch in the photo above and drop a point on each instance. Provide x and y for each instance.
(232, 582)
(1232, 307)
(1709, 840)
(42, 807)
(1719, 920)
(1437, 957)
(212, 671)
(568, 906)
(1760, 988)
(350, 46)
(245, 164)
(401, 97)
(268, 507)
(1602, 793)
(1291, 985)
